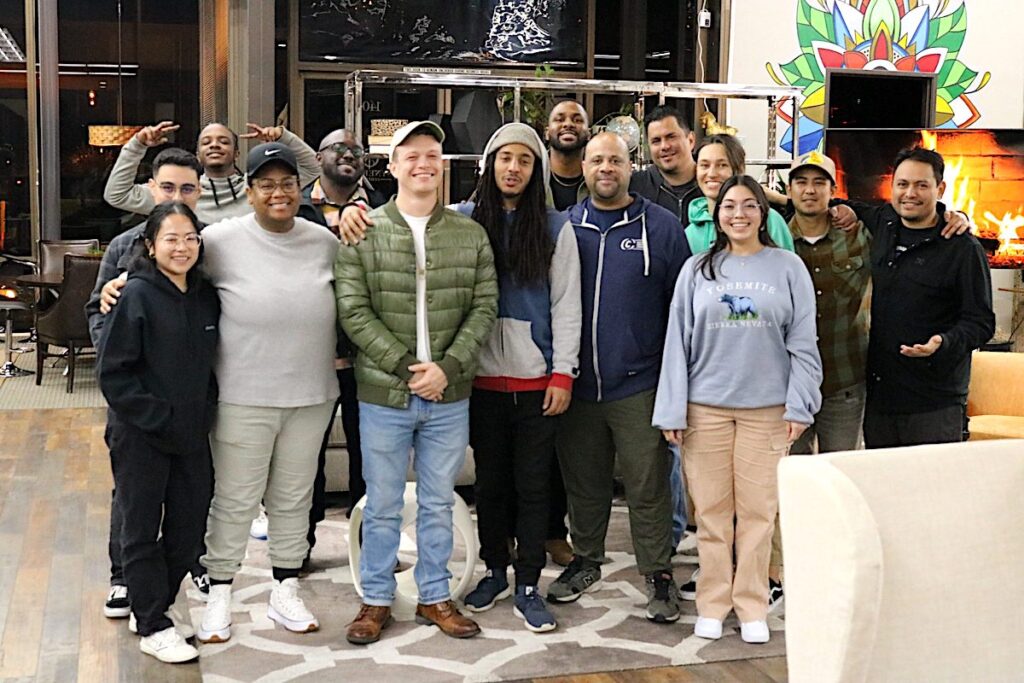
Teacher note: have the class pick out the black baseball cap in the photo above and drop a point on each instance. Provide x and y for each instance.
(270, 153)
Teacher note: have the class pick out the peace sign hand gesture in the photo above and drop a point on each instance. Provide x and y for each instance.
(151, 136)
(268, 134)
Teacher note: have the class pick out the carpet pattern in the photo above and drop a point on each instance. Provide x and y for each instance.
(604, 631)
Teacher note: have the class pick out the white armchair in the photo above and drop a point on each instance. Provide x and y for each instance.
(905, 564)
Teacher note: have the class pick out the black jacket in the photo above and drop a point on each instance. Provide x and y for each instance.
(937, 286)
(649, 183)
(155, 363)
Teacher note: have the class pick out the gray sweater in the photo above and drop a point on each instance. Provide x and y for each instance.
(744, 340)
(278, 315)
(221, 197)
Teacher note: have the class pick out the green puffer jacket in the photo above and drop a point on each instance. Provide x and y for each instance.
(375, 283)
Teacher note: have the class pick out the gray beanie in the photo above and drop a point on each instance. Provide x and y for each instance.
(523, 134)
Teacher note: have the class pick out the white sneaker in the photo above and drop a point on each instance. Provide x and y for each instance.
(216, 624)
(708, 628)
(287, 608)
(182, 624)
(168, 646)
(259, 526)
(754, 631)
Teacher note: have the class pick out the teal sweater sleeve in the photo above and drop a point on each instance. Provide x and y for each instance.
(779, 231)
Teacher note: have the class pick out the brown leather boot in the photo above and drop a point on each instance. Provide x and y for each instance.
(368, 624)
(447, 618)
(559, 550)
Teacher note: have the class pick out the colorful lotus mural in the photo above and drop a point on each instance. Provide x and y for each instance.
(898, 35)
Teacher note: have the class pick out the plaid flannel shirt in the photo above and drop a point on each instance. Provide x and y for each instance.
(840, 267)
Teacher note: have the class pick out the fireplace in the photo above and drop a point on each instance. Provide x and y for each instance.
(984, 177)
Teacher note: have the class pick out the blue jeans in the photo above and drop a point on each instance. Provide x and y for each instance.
(678, 498)
(438, 433)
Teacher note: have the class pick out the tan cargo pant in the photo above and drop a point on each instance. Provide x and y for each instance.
(730, 458)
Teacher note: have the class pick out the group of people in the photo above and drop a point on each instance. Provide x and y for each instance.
(572, 316)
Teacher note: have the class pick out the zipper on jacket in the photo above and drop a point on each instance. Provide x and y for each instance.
(597, 286)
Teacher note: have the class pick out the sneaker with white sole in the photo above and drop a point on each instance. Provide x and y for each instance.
(529, 606)
(708, 628)
(117, 605)
(492, 587)
(662, 598)
(775, 596)
(216, 624)
(168, 646)
(182, 624)
(578, 578)
(754, 631)
(688, 591)
(259, 527)
(287, 608)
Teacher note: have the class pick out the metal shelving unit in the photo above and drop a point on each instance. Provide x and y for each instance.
(772, 94)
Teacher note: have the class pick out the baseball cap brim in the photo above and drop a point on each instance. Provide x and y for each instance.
(428, 127)
(270, 153)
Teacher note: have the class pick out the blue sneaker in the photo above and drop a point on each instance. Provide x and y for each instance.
(490, 589)
(530, 607)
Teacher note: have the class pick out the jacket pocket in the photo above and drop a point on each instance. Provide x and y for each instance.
(522, 357)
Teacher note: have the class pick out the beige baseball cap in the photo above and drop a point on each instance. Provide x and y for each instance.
(428, 127)
(817, 160)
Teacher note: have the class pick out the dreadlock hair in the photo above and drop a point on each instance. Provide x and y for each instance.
(706, 263)
(522, 247)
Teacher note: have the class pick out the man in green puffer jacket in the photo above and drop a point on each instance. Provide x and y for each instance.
(418, 297)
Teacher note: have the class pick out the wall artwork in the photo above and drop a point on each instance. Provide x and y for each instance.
(923, 36)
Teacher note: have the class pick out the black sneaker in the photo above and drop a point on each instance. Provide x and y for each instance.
(578, 578)
(662, 598)
(493, 587)
(117, 605)
(688, 591)
(775, 595)
(202, 584)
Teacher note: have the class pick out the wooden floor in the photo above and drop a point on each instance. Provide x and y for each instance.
(54, 515)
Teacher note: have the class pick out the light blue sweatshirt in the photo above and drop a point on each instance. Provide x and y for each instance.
(743, 340)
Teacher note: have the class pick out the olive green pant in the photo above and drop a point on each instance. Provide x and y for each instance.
(590, 437)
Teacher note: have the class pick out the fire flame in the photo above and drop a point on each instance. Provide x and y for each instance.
(958, 198)
(8, 293)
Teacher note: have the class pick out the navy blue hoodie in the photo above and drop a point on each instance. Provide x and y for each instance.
(629, 264)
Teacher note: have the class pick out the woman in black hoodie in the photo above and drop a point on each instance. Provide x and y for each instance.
(156, 371)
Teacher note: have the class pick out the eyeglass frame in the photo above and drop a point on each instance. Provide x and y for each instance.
(358, 152)
(277, 184)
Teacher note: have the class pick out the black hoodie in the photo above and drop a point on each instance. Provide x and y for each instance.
(155, 364)
(649, 183)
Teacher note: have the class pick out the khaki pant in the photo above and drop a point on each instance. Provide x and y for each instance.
(267, 454)
(730, 458)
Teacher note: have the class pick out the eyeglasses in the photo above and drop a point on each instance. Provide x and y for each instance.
(746, 207)
(186, 190)
(340, 148)
(173, 241)
(267, 186)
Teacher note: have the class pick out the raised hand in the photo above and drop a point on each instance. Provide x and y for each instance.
(263, 134)
(154, 135)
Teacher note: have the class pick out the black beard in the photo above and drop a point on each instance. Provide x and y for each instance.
(559, 146)
(339, 179)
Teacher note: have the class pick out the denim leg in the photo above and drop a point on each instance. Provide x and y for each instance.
(387, 436)
(678, 497)
(442, 436)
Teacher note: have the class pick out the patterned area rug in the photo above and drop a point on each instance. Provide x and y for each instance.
(604, 631)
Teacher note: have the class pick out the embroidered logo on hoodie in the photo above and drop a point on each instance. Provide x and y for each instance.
(632, 244)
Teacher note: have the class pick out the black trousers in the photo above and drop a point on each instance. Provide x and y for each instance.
(559, 505)
(883, 429)
(350, 424)
(513, 446)
(164, 500)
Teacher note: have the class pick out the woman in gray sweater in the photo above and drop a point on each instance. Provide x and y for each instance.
(740, 381)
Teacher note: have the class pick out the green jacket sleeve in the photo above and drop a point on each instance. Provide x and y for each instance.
(360, 322)
(477, 324)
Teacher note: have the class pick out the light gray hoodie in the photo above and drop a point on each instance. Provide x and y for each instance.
(746, 339)
(221, 197)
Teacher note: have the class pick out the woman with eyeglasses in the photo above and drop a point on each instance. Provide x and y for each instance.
(740, 381)
(155, 369)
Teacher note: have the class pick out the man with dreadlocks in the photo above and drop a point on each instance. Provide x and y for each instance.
(223, 185)
(527, 367)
